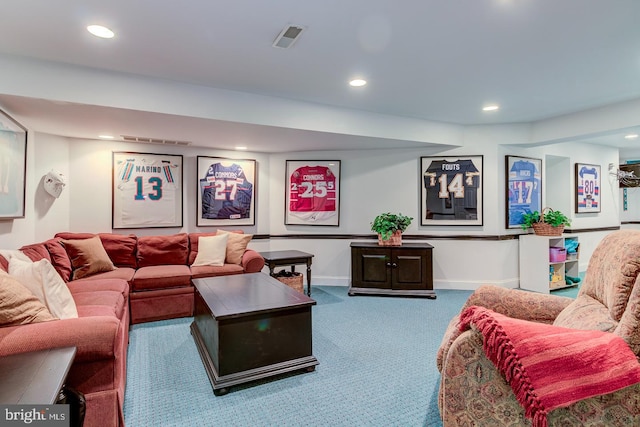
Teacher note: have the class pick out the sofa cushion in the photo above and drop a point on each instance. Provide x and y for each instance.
(59, 258)
(236, 245)
(87, 257)
(612, 271)
(163, 250)
(198, 272)
(116, 285)
(161, 276)
(36, 252)
(46, 284)
(67, 235)
(18, 306)
(124, 273)
(212, 250)
(586, 313)
(121, 248)
(100, 303)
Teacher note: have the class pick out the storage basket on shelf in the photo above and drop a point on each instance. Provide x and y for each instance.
(557, 254)
(290, 278)
(542, 228)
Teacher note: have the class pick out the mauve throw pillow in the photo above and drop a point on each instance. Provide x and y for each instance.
(18, 306)
(87, 257)
(236, 245)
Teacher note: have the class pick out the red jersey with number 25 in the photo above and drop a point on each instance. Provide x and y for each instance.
(312, 193)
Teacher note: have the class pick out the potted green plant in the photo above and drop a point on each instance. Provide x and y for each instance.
(549, 223)
(390, 228)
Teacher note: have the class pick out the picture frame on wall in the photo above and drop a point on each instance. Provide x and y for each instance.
(312, 192)
(451, 190)
(13, 167)
(523, 178)
(227, 191)
(146, 190)
(587, 181)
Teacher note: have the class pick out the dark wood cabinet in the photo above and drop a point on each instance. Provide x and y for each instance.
(392, 270)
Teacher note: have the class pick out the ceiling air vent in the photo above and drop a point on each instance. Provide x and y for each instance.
(146, 140)
(288, 36)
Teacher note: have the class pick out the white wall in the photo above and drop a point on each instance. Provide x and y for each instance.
(44, 214)
(372, 181)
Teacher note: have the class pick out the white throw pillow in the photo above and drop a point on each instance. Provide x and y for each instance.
(42, 279)
(212, 250)
(14, 253)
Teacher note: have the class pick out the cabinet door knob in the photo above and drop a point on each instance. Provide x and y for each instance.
(394, 265)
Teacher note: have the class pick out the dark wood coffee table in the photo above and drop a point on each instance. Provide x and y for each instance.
(250, 326)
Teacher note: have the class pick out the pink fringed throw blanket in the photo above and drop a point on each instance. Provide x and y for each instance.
(550, 367)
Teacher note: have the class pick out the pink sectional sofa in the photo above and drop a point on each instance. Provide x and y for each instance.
(151, 281)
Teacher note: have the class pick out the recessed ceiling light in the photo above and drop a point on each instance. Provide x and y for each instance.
(357, 82)
(100, 31)
(631, 136)
(241, 148)
(105, 136)
(492, 107)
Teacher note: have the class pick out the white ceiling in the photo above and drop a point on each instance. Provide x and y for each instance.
(437, 60)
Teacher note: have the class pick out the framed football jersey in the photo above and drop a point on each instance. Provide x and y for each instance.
(451, 189)
(226, 191)
(146, 190)
(312, 194)
(524, 188)
(587, 188)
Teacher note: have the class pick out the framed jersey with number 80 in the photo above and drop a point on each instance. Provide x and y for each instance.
(312, 192)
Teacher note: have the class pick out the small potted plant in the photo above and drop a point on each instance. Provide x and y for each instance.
(390, 228)
(549, 223)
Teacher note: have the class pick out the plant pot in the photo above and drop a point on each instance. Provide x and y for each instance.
(394, 240)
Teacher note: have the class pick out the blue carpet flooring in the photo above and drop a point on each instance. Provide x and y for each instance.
(377, 368)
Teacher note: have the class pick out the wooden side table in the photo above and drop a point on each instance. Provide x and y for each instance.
(275, 258)
(36, 377)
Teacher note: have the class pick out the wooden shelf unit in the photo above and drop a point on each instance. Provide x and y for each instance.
(536, 267)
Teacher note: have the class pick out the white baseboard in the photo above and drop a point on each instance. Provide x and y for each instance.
(438, 284)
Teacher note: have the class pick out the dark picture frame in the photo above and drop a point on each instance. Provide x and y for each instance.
(312, 192)
(588, 185)
(13, 167)
(523, 180)
(227, 191)
(451, 190)
(146, 190)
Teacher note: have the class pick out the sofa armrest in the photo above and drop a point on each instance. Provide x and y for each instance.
(518, 304)
(252, 261)
(514, 303)
(473, 389)
(94, 337)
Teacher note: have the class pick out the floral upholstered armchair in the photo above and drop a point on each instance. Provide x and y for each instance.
(517, 358)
